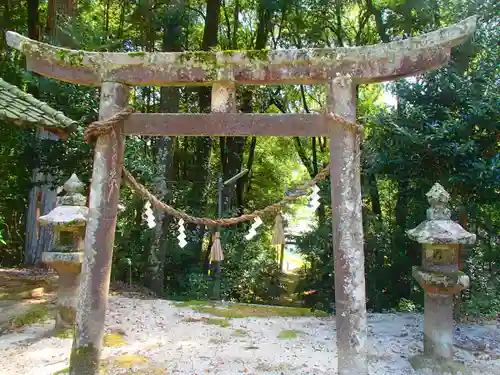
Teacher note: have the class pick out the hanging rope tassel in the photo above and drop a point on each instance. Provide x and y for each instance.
(216, 254)
(278, 231)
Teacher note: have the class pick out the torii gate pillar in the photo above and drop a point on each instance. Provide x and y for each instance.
(100, 235)
(347, 232)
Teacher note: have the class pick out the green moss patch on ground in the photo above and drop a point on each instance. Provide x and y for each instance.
(191, 303)
(240, 332)
(210, 321)
(127, 360)
(17, 288)
(217, 322)
(289, 334)
(267, 368)
(136, 364)
(240, 310)
(114, 340)
(65, 333)
(35, 314)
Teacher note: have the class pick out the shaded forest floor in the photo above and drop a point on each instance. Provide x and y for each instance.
(145, 335)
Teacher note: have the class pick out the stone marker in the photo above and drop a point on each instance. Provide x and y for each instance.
(440, 278)
(69, 221)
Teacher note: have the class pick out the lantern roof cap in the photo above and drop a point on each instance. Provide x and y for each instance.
(439, 228)
(72, 212)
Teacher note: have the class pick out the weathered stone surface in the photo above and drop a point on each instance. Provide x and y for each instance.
(440, 278)
(69, 221)
(442, 232)
(434, 282)
(99, 237)
(229, 124)
(72, 213)
(350, 300)
(68, 266)
(363, 64)
(65, 262)
(72, 216)
(438, 228)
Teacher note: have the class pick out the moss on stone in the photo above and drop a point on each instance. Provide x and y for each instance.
(67, 313)
(73, 58)
(258, 55)
(439, 279)
(136, 53)
(206, 59)
(84, 359)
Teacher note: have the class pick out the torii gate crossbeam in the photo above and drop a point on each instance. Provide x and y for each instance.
(340, 69)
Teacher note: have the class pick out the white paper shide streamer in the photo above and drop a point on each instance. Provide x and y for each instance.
(182, 236)
(314, 198)
(257, 222)
(149, 215)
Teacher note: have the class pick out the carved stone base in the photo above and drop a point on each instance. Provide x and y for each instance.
(68, 266)
(429, 365)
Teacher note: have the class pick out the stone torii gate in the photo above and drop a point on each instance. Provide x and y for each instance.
(340, 69)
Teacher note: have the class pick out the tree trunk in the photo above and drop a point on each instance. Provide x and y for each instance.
(203, 145)
(5, 24)
(381, 29)
(235, 146)
(60, 13)
(33, 19)
(375, 196)
(42, 199)
(169, 103)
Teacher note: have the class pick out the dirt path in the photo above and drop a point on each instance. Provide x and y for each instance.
(159, 337)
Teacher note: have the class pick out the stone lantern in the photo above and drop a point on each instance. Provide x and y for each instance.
(440, 278)
(68, 220)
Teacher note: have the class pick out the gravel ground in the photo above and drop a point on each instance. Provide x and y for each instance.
(175, 343)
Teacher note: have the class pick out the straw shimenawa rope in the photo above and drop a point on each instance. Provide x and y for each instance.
(99, 128)
(142, 191)
(103, 127)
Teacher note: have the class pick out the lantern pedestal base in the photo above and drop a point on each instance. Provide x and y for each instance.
(68, 266)
(437, 366)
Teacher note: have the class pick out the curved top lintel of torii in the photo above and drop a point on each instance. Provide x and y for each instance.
(364, 64)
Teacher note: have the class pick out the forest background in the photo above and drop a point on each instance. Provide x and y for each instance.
(444, 127)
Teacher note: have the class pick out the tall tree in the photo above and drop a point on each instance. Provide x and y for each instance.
(203, 145)
(165, 149)
(42, 197)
